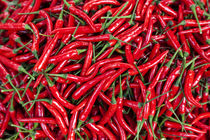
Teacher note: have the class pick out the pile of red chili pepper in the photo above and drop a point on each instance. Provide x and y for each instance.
(105, 69)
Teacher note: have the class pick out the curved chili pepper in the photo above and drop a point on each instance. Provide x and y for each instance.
(149, 64)
(201, 116)
(106, 132)
(13, 65)
(80, 106)
(87, 6)
(36, 38)
(71, 54)
(121, 130)
(199, 74)
(60, 109)
(5, 122)
(119, 113)
(85, 87)
(57, 116)
(88, 58)
(72, 67)
(168, 84)
(117, 23)
(72, 124)
(83, 116)
(80, 13)
(187, 87)
(170, 35)
(110, 112)
(166, 9)
(178, 126)
(100, 12)
(45, 56)
(45, 128)
(112, 65)
(57, 95)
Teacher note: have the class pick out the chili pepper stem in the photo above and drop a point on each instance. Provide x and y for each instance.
(208, 41)
(24, 71)
(9, 79)
(151, 125)
(79, 124)
(193, 8)
(139, 127)
(35, 54)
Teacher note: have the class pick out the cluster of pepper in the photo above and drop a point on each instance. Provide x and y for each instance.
(104, 69)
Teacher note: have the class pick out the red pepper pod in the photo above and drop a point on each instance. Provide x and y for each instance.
(14, 26)
(87, 6)
(86, 86)
(187, 88)
(38, 120)
(149, 64)
(57, 116)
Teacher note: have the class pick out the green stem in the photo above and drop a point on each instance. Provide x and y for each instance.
(110, 22)
(193, 8)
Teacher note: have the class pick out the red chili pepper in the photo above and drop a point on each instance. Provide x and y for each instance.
(106, 132)
(199, 74)
(186, 49)
(93, 127)
(36, 38)
(80, 106)
(85, 87)
(83, 116)
(145, 6)
(69, 90)
(117, 23)
(105, 37)
(72, 124)
(178, 126)
(110, 112)
(60, 109)
(80, 13)
(102, 62)
(15, 26)
(119, 112)
(5, 122)
(71, 54)
(147, 38)
(168, 84)
(149, 64)
(139, 7)
(121, 130)
(188, 85)
(45, 56)
(169, 134)
(100, 12)
(72, 67)
(166, 9)
(39, 120)
(45, 128)
(201, 116)
(87, 6)
(196, 47)
(195, 30)
(81, 29)
(13, 65)
(57, 95)
(170, 35)
(148, 16)
(57, 116)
